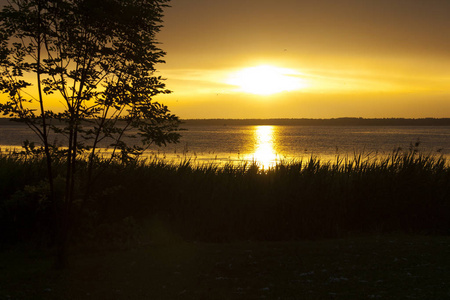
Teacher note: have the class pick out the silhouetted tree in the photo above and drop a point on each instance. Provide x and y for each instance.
(85, 71)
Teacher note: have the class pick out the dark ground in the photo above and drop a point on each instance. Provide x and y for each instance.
(377, 267)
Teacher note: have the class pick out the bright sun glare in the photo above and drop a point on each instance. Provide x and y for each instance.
(267, 80)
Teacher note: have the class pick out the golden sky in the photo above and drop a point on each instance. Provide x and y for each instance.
(307, 59)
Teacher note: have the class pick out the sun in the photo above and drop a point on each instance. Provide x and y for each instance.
(267, 80)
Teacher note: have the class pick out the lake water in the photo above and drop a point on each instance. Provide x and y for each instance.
(268, 144)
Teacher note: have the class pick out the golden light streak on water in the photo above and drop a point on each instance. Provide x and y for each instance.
(264, 155)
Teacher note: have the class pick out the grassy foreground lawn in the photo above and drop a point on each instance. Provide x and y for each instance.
(377, 267)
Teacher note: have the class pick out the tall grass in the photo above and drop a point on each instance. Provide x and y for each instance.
(311, 198)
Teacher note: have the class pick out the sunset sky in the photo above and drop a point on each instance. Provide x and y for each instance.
(307, 59)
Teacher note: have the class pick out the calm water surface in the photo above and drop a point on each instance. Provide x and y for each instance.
(270, 144)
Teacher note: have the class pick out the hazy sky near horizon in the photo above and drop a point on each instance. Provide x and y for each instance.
(321, 59)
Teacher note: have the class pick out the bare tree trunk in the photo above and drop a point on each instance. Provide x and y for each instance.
(44, 133)
(41, 104)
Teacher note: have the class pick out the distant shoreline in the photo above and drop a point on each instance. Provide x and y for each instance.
(324, 122)
(307, 122)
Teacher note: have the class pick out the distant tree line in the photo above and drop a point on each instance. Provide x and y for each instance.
(325, 122)
(310, 122)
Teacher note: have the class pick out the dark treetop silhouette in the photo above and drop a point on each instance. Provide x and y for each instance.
(83, 69)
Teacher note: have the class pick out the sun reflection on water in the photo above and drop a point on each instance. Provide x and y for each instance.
(264, 155)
